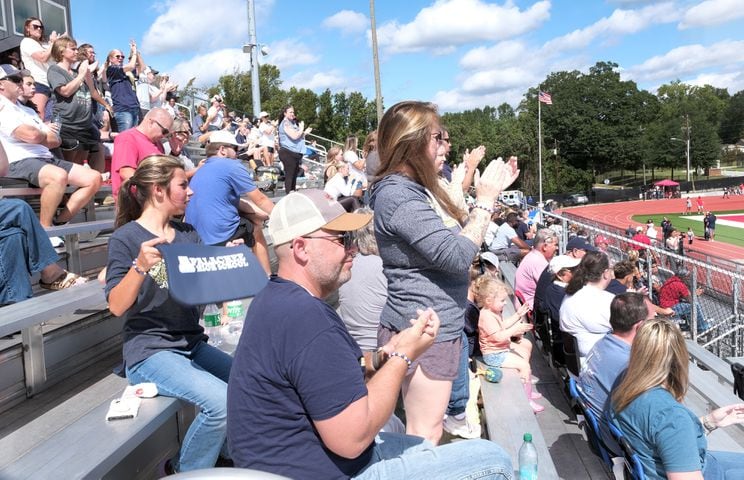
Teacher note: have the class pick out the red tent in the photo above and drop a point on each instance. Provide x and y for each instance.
(666, 183)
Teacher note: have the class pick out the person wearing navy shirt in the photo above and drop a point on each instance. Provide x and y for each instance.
(297, 402)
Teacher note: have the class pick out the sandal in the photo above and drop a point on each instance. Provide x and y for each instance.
(66, 280)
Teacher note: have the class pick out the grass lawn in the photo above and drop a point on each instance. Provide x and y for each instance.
(724, 233)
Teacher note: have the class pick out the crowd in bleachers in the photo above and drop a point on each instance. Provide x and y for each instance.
(311, 392)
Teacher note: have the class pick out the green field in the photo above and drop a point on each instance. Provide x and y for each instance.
(724, 233)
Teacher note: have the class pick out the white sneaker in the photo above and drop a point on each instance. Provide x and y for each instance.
(56, 241)
(461, 428)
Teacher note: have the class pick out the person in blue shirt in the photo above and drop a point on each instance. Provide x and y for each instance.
(647, 407)
(217, 210)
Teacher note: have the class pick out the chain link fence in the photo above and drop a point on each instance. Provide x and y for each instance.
(715, 284)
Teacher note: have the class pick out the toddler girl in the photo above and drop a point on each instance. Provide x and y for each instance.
(501, 339)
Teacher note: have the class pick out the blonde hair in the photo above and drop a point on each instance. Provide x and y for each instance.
(59, 45)
(403, 139)
(486, 286)
(658, 358)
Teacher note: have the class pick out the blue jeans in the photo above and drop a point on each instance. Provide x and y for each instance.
(684, 310)
(723, 466)
(413, 458)
(24, 249)
(126, 119)
(461, 386)
(199, 377)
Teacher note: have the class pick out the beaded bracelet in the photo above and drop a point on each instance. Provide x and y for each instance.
(137, 269)
(483, 207)
(402, 356)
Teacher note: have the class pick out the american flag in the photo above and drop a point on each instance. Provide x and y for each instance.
(545, 98)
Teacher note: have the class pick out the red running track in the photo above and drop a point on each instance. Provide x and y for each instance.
(619, 214)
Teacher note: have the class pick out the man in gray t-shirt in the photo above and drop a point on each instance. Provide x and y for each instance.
(506, 242)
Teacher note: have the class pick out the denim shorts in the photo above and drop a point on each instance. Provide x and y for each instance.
(28, 169)
(495, 359)
(440, 362)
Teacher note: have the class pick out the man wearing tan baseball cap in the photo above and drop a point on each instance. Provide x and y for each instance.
(298, 404)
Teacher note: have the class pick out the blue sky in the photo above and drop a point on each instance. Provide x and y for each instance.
(459, 54)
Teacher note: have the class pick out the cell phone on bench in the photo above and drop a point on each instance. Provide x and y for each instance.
(123, 408)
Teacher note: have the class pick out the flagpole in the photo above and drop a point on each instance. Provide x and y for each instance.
(539, 145)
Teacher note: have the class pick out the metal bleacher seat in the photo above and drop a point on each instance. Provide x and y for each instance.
(590, 425)
(571, 353)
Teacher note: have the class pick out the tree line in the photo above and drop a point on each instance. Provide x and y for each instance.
(597, 123)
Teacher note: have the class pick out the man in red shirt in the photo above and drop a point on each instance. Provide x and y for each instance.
(133, 145)
(674, 294)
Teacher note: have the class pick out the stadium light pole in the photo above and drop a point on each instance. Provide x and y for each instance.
(253, 48)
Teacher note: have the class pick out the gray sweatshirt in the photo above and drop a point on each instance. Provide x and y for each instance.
(426, 263)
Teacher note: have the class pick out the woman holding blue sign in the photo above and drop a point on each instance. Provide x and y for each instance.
(163, 341)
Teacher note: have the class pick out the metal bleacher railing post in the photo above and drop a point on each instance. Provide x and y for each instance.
(693, 311)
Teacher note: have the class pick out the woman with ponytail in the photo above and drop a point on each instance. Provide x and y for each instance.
(163, 341)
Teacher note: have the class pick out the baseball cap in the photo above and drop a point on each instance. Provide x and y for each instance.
(639, 228)
(490, 257)
(217, 98)
(8, 70)
(301, 213)
(559, 262)
(263, 114)
(150, 70)
(580, 243)
(223, 136)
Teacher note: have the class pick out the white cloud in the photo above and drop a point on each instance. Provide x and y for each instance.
(347, 21)
(317, 81)
(689, 59)
(179, 29)
(621, 22)
(209, 67)
(457, 101)
(712, 12)
(498, 80)
(290, 52)
(733, 81)
(456, 22)
(503, 53)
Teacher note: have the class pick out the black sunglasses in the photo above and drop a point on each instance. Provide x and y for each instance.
(37, 27)
(342, 239)
(118, 56)
(163, 130)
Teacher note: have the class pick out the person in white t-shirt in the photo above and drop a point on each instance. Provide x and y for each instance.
(356, 165)
(267, 140)
(36, 51)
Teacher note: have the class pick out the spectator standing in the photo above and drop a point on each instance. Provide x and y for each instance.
(690, 236)
(216, 209)
(216, 114)
(123, 96)
(297, 401)
(291, 146)
(585, 312)
(427, 245)
(36, 50)
(647, 407)
(371, 156)
(534, 264)
(356, 165)
(27, 140)
(74, 94)
(133, 145)
(163, 341)
(712, 226)
(150, 94)
(267, 140)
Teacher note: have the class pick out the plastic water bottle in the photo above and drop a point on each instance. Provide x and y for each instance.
(212, 324)
(528, 459)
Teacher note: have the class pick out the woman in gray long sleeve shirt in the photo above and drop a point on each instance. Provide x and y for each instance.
(427, 244)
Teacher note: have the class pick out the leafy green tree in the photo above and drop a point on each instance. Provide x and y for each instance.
(732, 120)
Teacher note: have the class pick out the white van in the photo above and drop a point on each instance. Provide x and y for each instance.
(513, 198)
